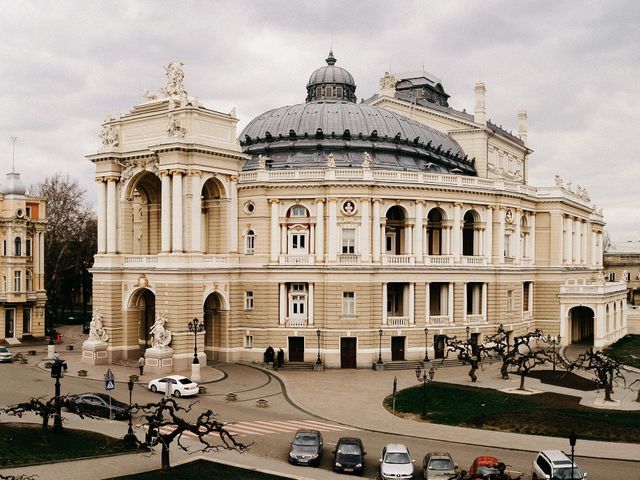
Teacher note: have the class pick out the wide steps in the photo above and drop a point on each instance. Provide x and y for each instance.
(297, 366)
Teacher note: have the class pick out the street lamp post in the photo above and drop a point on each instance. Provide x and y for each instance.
(425, 376)
(130, 437)
(318, 360)
(572, 442)
(426, 345)
(380, 362)
(467, 329)
(195, 326)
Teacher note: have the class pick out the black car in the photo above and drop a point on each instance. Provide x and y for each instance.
(97, 404)
(306, 448)
(348, 457)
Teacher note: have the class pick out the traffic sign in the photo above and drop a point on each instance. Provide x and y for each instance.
(109, 380)
(110, 385)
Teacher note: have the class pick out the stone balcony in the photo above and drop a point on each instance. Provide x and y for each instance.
(398, 260)
(398, 321)
(296, 322)
(475, 319)
(439, 320)
(296, 259)
(584, 287)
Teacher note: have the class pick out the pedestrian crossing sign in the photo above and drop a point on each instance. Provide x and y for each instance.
(111, 385)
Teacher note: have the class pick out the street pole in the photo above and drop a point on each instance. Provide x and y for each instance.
(426, 345)
(572, 442)
(380, 362)
(195, 326)
(130, 437)
(423, 375)
(318, 360)
(57, 421)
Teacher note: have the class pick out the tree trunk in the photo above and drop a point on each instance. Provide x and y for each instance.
(504, 371)
(472, 372)
(522, 377)
(45, 423)
(166, 465)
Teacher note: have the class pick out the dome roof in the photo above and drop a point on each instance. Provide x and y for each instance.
(13, 185)
(331, 74)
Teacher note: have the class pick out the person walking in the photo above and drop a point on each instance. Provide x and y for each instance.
(141, 364)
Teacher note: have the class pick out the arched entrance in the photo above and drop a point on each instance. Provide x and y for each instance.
(582, 325)
(142, 312)
(213, 311)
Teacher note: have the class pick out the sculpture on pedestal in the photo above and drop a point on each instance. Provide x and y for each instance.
(160, 336)
(97, 333)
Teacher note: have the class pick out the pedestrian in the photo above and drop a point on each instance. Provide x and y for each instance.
(280, 357)
(141, 364)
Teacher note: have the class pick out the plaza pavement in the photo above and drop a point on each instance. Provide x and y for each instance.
(350, 397)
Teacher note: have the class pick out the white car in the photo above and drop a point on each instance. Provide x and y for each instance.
(396, 462)
(5, 355)
(178, 385)
(555, 464)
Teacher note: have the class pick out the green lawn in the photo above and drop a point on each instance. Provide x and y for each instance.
(25, 444)
(200, 469)
(627, 350)
(541, 414)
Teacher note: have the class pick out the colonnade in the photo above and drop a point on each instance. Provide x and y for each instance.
(580, 245)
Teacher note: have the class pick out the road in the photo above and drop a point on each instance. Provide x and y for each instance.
(270, 429)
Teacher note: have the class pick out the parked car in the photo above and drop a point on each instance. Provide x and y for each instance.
(306, 448)
(178, 385)
(396, 462)
(486, 467)
(438, 466)
(348, 457)
(98, 404)
(554, 464)
(5, 355)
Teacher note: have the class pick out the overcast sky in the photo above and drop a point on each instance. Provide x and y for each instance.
(574, 66)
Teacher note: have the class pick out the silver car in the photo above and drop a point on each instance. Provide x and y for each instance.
(396, 462)
(438, 466)
(5, 355)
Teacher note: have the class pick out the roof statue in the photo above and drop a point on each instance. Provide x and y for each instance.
(331, 161)
(559, 181)
(388, 81)
(262, 162)
(97, 333)
(149, 95)
(160, 337)
(366, 160)
(175, 80)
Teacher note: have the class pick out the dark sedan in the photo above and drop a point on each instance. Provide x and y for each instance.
(306, 448)
(348, 457)
(99, 405)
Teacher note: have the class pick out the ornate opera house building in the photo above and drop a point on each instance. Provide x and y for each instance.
(337, 229)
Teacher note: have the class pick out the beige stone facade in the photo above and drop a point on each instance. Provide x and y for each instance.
(344, 263)
(22, 230)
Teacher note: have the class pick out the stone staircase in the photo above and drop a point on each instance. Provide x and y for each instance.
(296, 366)
(435, 363)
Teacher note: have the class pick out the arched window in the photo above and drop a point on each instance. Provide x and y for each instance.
(18, 250)
(435, 232)
(470, 234)
(250, 242)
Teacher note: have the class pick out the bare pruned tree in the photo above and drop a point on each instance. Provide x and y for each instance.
(606, 368)
(44, 408)
(636, 381)
(468, 353)
(22, 476)
(166, 423)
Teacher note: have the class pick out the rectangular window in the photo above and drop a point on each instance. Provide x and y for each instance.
(509, 300)
(27, 247)
(348, 304)
(348, 240)
(526, 292)
(298, 211)
(507, 246)
(248, 300)
(250, 242)
(612, 276)
(17, 281)
(28, 212)
(626, 276)
(4, 248)
(26, 320)
(27, 281)
(248, 341)
(298, 243)
(4, 283)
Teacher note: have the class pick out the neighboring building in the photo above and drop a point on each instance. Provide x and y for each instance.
(338, 229)
(22, 227)
(622, 264)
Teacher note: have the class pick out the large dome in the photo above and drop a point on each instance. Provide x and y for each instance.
(303, 135)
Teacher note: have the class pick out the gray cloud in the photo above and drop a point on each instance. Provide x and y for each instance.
(572, 65)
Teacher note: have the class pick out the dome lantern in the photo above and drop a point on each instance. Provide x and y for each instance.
(331, 83)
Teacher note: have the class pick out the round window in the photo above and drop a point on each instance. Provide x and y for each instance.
(249, 207)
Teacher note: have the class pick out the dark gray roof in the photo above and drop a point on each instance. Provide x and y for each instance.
(331, 74)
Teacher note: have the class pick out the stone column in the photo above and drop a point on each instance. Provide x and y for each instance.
(112, 210)
(569, 239)
(375, 231)
(518, 232)
(408, 238)
(488, 233)
(41, 259)
(332, 233)
(456, 233)
(275, 229)
(283, 239)
(450, 302)
(166, 211)
(384, 304)
(532, 238)
(176, 211)
(418, 230)
(500, 256)
(310, 304)
(319, 230)
(365, 231)
(233, 214)
(196, 210)
(484, 301)
(102, 215)
(585, 244)
(427, 303)
(282, 303)
(412, 303)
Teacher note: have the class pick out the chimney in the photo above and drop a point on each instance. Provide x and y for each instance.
(480, 115)
(522, 125)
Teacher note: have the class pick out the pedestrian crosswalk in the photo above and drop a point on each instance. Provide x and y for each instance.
(260, 427)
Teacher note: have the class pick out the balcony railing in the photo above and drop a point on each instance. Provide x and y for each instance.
(296, 322)
(398, 260)
(348, 258)
(476, 260)
(439, 319)
(140, 259)
(296, 259)
(398, 321)
(593, 288)
(475, 319)
(438, 260)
